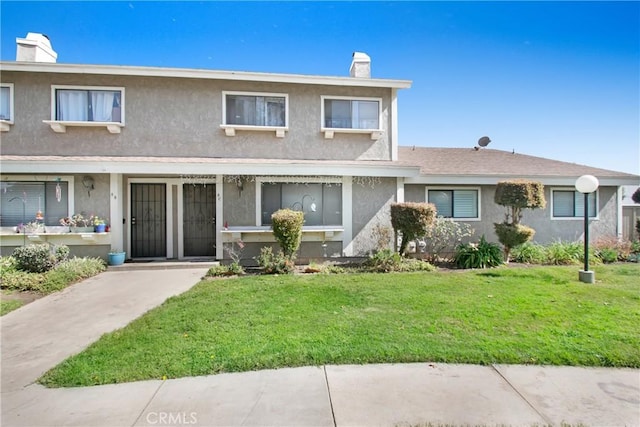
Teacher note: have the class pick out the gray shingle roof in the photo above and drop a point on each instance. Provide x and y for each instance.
(490, 162)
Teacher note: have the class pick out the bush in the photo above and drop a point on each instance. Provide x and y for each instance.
(529, 253)
(442, 237)
(39, 258)
(478, 255)
(383, 261)
(606, 247)
(287, 229)
(565, 253)
(22, 281)
(411, 220)
(513, 235)
(233, 269)
(71, 271)
(387, 261)
(7, 263)
(274, 263)
(607, 255)
(61, 276)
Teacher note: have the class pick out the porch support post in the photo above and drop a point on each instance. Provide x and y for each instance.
(400, 190)
(219, 215)
(347, 216)
(116, 212)
(620, 215)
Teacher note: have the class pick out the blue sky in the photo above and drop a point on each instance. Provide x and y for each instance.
(552, 79)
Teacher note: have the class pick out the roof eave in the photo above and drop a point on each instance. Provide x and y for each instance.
(448, 179)
(126, 70)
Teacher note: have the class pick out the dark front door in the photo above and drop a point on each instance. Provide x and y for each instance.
(148, 221)
(199, 207)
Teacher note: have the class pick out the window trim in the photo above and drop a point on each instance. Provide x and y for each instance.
(454, 188)
(329, 132)
(60, 126)
(69, 179)
(230, 129)
(573, 218)
(5, 125)
(293, 180)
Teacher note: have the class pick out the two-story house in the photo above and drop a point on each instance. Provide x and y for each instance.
(186, 162)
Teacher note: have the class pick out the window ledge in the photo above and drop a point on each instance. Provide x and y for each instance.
(329, 132)
(329, 231)
(61, 126)
(230, 130)
(5, 125)
(574, 218)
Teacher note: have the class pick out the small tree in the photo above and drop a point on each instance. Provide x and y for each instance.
(287, 229)
(636, 196)
(411, 220)
(517, 195)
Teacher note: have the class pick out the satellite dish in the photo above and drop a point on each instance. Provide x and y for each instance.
(484, 141)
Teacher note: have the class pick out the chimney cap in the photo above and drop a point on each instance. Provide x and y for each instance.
(361, 57)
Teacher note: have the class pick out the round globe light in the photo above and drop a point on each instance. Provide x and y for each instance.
(587, 184)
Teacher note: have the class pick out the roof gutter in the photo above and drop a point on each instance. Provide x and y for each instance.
(187, 73)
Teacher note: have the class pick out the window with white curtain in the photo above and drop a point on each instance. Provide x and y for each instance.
(345, 113)
(570, 204)
(455, 203)
(6, 102)
(321, 203)
(255, 109)
(88, 105)
(20, 202)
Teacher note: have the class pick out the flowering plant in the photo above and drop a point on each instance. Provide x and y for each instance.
(96, 220)
(76, 220)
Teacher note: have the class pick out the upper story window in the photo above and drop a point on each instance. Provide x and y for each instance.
(321, 203)
(351, 115)
(87, 106)
(570, 204)
(78, 105)
(22, 202)
(456, 203)
(255, 111)
(6, 106)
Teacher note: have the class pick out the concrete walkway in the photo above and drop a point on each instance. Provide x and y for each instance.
(45, 332)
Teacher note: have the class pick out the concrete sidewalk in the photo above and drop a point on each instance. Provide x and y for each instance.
(45, 332)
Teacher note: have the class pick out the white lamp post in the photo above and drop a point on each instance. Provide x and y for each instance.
(586, 184)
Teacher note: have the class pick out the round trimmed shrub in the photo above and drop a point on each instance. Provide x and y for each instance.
(40, 258)
(287, 229)
(513, 235)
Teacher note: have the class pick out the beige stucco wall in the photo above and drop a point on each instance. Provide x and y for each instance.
(239, 205)
(547, 230)
(371, 209)
(181, 117)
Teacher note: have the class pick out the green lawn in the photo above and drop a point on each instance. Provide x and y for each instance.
(520, 315)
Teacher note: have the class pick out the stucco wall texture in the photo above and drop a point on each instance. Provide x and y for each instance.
(182, 117)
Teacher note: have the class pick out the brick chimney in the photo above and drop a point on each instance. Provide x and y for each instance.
(360, 66)
(35, 48)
